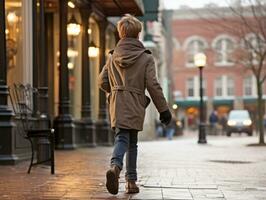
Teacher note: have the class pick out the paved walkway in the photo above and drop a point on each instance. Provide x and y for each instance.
(224, 169)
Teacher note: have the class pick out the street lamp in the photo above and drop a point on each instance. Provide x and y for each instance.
(200, 62)
(175, 106)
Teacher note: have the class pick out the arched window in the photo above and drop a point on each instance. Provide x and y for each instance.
(224, 47)
(253, 43)
(194, 45)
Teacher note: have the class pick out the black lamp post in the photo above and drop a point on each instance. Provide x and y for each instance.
(200, 62)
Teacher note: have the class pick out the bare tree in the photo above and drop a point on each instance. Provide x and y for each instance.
(246, 21)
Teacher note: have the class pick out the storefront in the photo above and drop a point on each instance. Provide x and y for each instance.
(188, 112)
(250, 104)
(58, 47)
(223, 106)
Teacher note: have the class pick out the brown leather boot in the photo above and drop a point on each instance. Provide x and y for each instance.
(131, 187)
(112, 179)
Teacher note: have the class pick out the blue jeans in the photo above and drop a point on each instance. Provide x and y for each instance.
(170, 133)
(126, 142)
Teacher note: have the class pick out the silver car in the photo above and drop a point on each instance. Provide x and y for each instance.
(239, 121)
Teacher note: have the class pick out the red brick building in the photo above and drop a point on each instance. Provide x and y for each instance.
(226, 85)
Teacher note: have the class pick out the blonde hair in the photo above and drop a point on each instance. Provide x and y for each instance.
(129, 26)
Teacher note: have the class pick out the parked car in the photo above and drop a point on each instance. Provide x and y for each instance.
(239, 121)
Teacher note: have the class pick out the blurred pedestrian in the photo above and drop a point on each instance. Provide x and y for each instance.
(171, 128)
(223, 122)
(158, 128)
(213, 120)
(129, 70)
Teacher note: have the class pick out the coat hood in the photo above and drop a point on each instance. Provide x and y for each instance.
(127, 52)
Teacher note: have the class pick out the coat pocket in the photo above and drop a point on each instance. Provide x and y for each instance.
(145, 101)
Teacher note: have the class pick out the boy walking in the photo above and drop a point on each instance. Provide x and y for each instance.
(129, 70)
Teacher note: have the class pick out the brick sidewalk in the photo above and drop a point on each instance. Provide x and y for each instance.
(225, 169)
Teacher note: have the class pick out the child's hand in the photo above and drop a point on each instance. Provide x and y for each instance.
(165, 117)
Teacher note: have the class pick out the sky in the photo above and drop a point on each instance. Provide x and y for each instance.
(174, 4)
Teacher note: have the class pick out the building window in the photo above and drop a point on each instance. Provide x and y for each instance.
(224, 48)
(224, 86)
(193, 45)
(193, 87)
(218, 87)
(248, 86)
(230, 86)
(253, 44)
(190, 87)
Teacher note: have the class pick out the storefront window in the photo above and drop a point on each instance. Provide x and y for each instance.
(192, 116)
(94, 68)
(14, 41)
(74, 63)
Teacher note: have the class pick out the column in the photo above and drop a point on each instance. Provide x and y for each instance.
(43, 119)
(35, 54)
(88, 124)
(7, 139)
(43, 68)
(63, 123)
(103, 130)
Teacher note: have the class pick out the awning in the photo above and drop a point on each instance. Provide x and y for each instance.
(106, 7)
(119, 7)
(151, 8)
(189, 102)
(250, 100)
(217, 102)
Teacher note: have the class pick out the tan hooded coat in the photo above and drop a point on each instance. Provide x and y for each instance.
(125, 76)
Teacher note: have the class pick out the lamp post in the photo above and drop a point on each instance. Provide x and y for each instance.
(200, 62)
(175, 107)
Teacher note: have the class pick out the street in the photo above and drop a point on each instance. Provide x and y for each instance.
(223, 169)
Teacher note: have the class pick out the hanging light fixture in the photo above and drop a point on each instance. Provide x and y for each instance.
(71, 4)
(12, 18)
(72, 53)
(93, 50)
(73, 27)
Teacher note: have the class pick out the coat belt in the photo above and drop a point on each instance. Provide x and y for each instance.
(126, 88)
